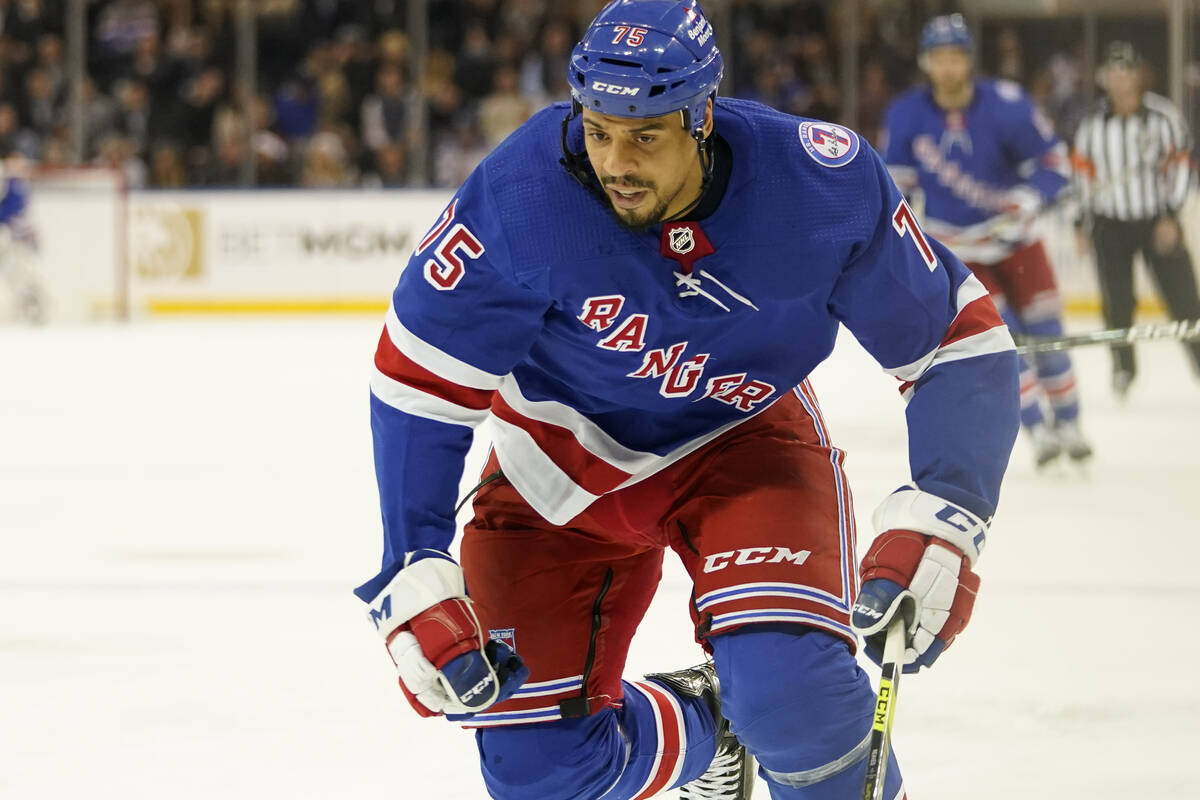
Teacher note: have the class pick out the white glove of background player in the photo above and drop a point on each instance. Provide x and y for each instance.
(446, 663)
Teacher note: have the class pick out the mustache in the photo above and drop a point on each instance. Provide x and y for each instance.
(627, 180)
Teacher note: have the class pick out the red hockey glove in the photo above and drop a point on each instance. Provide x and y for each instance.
(446, 663)
(920, 568)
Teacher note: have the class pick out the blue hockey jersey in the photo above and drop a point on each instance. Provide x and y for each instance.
(14, 198)
(967, 163)
(604, 354)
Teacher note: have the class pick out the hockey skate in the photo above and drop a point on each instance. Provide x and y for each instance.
(1046, 444)
(730, 776)
(1122, 379)
(1071, 439)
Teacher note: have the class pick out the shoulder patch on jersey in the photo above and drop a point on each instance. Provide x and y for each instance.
(829, 144)
(1009, 90)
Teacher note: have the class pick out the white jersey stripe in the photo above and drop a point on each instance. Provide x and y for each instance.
(410, 400)
(970, 290)
(436, 361)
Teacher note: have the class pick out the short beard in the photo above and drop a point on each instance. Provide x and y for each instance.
(640, 223)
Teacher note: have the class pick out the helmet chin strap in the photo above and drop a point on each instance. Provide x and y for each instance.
(704, 152)
(577, 164)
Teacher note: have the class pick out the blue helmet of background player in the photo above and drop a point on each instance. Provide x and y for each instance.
(949, 30)
(647, 58)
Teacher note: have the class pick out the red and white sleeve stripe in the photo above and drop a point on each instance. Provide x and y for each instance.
(976, 330)
(413, 376)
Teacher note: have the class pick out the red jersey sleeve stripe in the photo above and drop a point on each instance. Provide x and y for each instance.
(399, 367)
(978, 316)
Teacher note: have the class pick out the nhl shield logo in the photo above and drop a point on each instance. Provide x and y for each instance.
(506, 635)
(682, 240)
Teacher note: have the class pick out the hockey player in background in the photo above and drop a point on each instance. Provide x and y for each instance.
(986, 161)
(635, 287)
(18, 242)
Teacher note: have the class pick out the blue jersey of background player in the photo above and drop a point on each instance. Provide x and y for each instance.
(986, 161)
(635, 288)
(18, 242)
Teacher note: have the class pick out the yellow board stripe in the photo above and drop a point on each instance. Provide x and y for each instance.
(1091, 306)
(267, 305)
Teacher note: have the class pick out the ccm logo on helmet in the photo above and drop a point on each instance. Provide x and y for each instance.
(612, 88)
(754, 555)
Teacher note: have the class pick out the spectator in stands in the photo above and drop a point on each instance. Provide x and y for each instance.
(326, 165)
(384, 114)
(23, 24)
(99, 117)
(55, 153)
(42, 110)
(167, 168)
(342, 68)
(133, 113)
(12, 137)
(225, 169)
(504, 109)
(390, 168)
(475, 63)
(455, 156)
(120, 26)
(296, 109)
(117, 152)
(544, 71)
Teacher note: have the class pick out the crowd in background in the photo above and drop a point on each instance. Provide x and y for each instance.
(333, 95)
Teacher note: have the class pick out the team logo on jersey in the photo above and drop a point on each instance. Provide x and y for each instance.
(506, 635)
(829, 144)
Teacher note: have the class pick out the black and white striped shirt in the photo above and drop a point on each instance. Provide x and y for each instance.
(1133, 167)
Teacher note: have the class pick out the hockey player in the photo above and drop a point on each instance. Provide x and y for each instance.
(635, 287)
(18, 242)
(986, 162)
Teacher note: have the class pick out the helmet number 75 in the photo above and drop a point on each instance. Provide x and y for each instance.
(632, 36)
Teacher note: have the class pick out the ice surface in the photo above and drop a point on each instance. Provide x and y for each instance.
(184, 507)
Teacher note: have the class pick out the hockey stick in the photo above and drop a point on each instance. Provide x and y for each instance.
(885, 710)
(1181, 330)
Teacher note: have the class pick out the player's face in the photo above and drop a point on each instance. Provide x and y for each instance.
(649, 168)
(949, 68)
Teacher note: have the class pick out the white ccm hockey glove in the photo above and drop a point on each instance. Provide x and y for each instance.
(919, 567)
(446, 663)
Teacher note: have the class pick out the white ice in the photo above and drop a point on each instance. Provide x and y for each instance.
(185, 506)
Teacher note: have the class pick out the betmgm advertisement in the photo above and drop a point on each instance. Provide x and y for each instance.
(229, 252)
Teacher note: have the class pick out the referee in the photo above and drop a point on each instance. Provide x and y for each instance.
(1132, 161)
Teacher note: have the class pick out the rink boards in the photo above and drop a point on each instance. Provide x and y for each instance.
(155, 252)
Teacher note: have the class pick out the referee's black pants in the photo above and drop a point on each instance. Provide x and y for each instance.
(1117, 241)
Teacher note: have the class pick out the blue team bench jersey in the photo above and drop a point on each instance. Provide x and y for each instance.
(604, 354)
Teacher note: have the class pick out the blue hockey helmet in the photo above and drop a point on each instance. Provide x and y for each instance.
(647, 58)
(949, 30)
